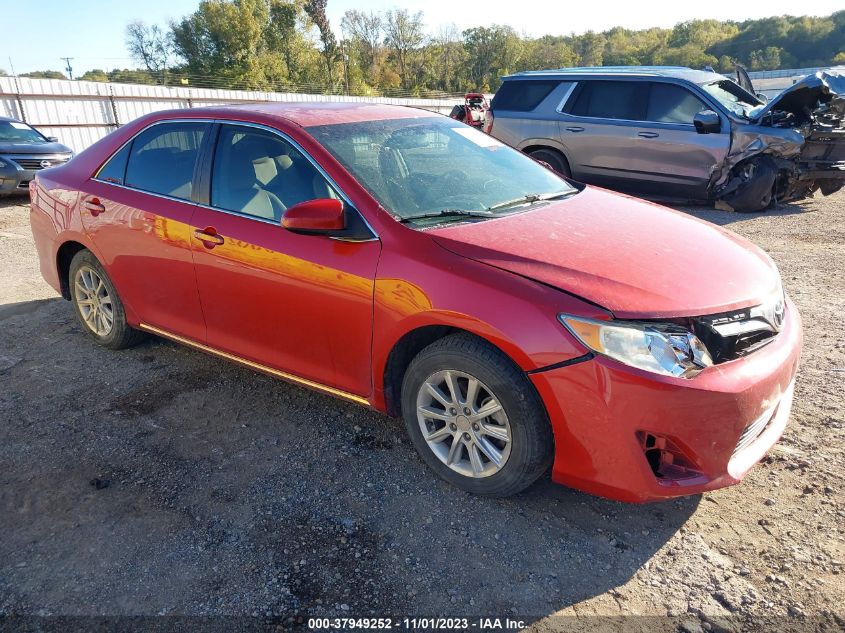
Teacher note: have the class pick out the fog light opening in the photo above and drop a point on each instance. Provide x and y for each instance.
(668, 461)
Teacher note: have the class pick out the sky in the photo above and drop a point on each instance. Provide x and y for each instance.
(92, 31)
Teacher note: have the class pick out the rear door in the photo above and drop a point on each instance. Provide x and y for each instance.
(671, 158)
(137, 210)
(597, 125)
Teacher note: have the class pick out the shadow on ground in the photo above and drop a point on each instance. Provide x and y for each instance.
(161, 480)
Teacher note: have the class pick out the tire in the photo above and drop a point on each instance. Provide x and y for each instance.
(756, 192)
(525, 456)
(95, 299)
(554, 159)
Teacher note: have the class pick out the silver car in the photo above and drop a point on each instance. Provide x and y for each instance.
(678, 133)
(23, 152)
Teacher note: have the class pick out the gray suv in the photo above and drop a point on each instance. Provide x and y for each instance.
(678, 133)
(24, 151)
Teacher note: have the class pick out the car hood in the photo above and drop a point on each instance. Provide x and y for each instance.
(825, 90)
(33, 148)
(637, 259)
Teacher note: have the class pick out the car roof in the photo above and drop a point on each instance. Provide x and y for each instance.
(308, 113)
(677, 72)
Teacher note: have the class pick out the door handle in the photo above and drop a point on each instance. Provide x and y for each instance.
(209, 237)
(648, 134)
(574, 129)
(93, 206)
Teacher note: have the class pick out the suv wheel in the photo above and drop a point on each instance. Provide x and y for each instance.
(475, 418)
(554, 159)
(97, 304)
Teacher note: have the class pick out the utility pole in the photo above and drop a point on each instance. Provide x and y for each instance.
(68, 66)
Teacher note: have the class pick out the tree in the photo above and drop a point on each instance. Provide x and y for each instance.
(316, 10)
(150, 46)
(94, 75)
(403, 35)
(491, 51)
(44, 74)
(364, 31)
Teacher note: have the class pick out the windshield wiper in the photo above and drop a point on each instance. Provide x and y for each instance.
(447, 213)
(531, 198)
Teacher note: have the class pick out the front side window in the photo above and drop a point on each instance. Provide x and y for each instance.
(625, 100)
(436, 165)
(669, 103)
(258, 173)
(18, 132)
(162, 158)
(736, 99)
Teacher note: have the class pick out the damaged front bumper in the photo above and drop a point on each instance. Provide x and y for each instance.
(794, 147)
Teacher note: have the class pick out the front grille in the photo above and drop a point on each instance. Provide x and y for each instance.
(31, 163)
(731, 335)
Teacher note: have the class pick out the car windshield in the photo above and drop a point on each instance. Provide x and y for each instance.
(734, 98)
(439, 168)
(17, 132)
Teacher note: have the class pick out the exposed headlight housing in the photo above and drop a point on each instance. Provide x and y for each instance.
(663, 348)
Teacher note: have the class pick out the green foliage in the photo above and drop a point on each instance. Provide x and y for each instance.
(94, 75)
(289, 44)
(45, 74)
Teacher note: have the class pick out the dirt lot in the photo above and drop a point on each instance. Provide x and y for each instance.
(233, 493)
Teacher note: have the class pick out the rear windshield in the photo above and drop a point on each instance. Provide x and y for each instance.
(17, 132)
(522, 96)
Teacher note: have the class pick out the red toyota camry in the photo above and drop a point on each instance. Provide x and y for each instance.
(412, 264)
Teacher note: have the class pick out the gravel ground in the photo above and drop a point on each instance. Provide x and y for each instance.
(162, 481)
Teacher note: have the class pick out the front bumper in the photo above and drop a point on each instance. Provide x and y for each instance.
(14, 179)
(631, 435)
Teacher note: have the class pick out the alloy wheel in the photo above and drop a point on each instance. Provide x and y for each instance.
(463, 423)
(93, 301)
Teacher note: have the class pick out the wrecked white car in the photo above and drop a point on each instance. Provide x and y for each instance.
(678, 134)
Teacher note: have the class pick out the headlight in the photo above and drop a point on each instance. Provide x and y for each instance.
(666, 349)
(3, 163)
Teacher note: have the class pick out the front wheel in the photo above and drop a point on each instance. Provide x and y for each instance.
(475, 418)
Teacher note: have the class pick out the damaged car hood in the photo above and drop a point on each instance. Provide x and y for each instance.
(819, 95)
(635, 258)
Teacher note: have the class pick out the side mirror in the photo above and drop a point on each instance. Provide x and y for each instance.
(707, 122)
(322, 215)
(53, 139)
(762, 97)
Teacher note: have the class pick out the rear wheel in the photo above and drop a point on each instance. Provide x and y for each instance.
(475, 418)
(554, 159)
(97, 304)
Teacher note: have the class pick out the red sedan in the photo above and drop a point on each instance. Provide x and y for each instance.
(412, 264)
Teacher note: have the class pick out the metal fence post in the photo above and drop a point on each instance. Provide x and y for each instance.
(19, 99)
(113, 107)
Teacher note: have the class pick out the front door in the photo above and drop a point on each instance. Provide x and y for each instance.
(137, 210)
(672, 158)
(302, 304)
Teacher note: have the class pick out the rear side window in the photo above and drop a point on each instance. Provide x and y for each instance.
(115, 169)
(522, 96)
(669, 103)
(162, 158)
(625, 100)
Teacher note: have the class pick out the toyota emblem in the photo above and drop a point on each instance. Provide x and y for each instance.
(45, 164)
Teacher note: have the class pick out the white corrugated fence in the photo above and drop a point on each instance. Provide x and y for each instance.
(82, 112)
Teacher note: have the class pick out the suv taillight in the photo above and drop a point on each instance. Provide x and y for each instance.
(488, 122)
